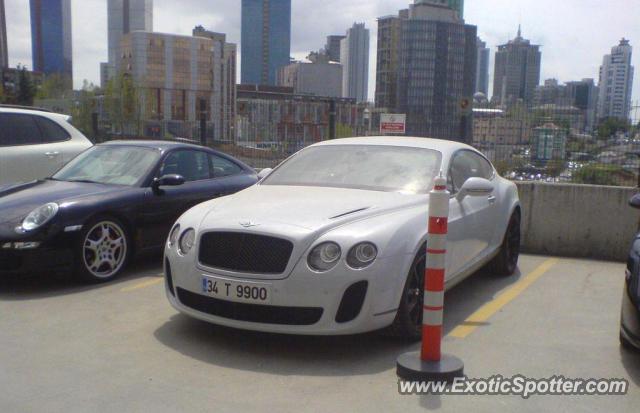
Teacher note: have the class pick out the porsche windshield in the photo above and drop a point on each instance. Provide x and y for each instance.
(116, 165)
(367, 167)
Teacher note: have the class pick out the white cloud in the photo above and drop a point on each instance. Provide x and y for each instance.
(575, 34)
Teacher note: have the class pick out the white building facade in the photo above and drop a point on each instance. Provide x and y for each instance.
(616, 82)
(354, 57)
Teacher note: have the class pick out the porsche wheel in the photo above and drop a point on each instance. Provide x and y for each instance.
(506, 262)
(408, 322)
(104, 250)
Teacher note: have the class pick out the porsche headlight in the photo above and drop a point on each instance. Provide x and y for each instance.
(173, 236)
(40, 216)
(187, 239)
(362, 255)
(324, 257)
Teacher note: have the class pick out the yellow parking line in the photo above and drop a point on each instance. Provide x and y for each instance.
(143, 284)
(481, 316)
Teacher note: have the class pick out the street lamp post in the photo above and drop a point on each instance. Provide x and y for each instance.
(367, 120)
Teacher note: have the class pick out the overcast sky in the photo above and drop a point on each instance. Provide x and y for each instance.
(574, 34)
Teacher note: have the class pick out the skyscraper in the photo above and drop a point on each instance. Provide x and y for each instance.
(124, 16)
(388, 61)
(354, 56)
(223, 102)
(4, 53)
(51, 37)
(482, 68)
(583, 94)
(517, 71)
(457, 5)
(332, 48)
(266, 39)
(616, 82)
(436, 71)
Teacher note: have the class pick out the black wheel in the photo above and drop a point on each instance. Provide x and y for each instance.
(103, 250)
(408, 322)
(506, 262)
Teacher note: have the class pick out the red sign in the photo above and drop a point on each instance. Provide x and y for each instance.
(393, 123)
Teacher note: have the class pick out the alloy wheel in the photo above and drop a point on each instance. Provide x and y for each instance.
(104, 249)
(414, 291)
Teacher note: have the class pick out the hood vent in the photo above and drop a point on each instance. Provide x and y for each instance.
(350, 212)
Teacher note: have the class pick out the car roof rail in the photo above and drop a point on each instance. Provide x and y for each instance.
(37, 109)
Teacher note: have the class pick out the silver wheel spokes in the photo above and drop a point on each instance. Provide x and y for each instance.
(105, 248)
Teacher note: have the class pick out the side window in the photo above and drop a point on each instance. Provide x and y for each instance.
(222, 167)
(17, 129)
(192, 165)
(465, 165)
(51, 131)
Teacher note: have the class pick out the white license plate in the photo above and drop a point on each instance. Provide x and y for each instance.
(242, 292)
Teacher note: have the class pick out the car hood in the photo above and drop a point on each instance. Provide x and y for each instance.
(301, 210)
(18, 200)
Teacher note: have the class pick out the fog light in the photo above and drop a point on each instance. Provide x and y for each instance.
(25, 245)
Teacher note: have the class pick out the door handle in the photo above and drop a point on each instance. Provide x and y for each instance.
(51, 154)
(492, 199)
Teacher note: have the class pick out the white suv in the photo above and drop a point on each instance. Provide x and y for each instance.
(34, 144)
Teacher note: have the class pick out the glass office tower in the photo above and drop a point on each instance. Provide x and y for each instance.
(266, 39)
(51, 37)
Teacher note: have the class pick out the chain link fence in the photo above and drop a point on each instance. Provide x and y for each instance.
(544, 143)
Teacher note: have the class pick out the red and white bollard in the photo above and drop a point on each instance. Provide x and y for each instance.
(430, 364)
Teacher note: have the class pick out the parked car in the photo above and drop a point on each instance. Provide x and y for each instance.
(111, 201)
(333, 241)
(35, 143)
(630, 318)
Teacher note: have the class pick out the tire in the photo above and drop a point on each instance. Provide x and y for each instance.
(506, 262)
(408, 322)
(626, 344)
(103, 250)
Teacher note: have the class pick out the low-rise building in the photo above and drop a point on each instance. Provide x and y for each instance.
(316, 78)
(549, 142)
(278, 118)
(183, 83)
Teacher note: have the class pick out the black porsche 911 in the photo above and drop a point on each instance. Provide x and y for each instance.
(111, 201)
(630, 319)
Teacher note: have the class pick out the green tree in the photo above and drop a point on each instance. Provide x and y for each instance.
(343, 131)
(26, 88)
(600, 174)
(84, 109)
(121, 103)
(609, 127)
(555, 167)
(3, 96)
(55, 86)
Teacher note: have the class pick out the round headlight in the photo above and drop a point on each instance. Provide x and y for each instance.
(362, 255)
(173, 236)
(187, 239)
(40, 216)
(324, 257)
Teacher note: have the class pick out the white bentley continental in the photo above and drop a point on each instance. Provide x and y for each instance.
(333, 241)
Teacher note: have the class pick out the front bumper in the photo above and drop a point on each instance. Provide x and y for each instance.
(630, 318)
(340, 303)
(54, 254)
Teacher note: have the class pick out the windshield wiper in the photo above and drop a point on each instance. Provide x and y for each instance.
(84, 181)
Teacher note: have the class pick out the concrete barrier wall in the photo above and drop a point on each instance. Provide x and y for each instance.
(578, 220)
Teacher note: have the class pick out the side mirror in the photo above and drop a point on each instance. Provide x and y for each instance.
(475, 187)
(635, 201)
(264, 173)
(168, 180)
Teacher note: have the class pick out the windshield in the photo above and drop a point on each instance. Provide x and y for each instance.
(368, 167)
(117, 165)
